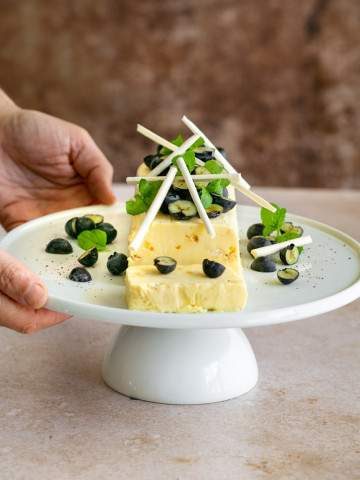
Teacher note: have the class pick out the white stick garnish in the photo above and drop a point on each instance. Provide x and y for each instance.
(153, 210)
(155, 137)
(276, 247)
(195, 196)
(196, 178)
(226, 164)
(252, 195)
(168, 160)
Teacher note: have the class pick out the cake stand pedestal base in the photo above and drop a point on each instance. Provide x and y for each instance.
(180, 366)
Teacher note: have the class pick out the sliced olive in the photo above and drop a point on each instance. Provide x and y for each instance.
(84, 223)
(96, 218)
(289, 255)
(263, 264)
(287, 275)
(164, 264)
(110, 231)
(255, 230)
(212, 269)
(89, 258)
(180, 187)
(204, 153)
(59, 246)
(70, 227)
(182, 209)
(225, 193)
(286, 227)
(214, 210)
(257, 242)
(226, 203)
(79, 274)
(171, 196)
(201, 183)
(299, 230)
(117, 263)
(149, 158)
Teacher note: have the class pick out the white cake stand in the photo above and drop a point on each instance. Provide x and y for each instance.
(188, 358)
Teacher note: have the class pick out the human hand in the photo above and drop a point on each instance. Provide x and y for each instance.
(47, 165)
(22, 296)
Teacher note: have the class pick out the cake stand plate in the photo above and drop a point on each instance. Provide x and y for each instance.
(188, 358)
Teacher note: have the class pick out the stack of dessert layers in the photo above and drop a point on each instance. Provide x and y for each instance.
(187, 289)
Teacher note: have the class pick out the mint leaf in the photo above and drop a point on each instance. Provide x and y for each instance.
(179, 140)
(189, 159)
(287, 236)
(217, 186)
(136, 205)
(198, 143)
(148, 191)
(214, 166)
(92, 238)
(272, 220)
(206, 198)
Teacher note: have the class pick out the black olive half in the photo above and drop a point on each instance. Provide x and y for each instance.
(110, 231)
(79, 274)
(96, 218)
(212, 269)
(226, 203)
(204, 153)
(89, 258)
(299, 230)
(83, 223)
(255, 230)
(117, 263)
(289, 255)
(180, 187)
(222, 151)
(148, 159)
(171, 196)
(286, 227)
(257, 242)
(70, 227)
(165, 265)
(287, 275)
(59, 245)
(263, 264)
(214, 210)
(182, 210)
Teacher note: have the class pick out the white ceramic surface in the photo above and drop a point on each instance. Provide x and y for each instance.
(191, 363)
(330, 276)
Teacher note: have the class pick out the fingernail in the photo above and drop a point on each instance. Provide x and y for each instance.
(35, 295)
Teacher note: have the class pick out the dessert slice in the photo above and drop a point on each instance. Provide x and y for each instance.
(186, 289)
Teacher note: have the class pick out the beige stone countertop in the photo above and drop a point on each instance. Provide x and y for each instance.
(59, 421)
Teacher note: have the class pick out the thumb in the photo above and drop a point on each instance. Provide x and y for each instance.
(92, 165)
(20, 284)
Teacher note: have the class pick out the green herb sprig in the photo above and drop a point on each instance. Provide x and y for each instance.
(92, 238)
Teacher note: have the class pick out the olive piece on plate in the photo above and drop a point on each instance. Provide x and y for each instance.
(204, 153)
(286, 227)
(182, 209)
(59, 246)
(263, 264)
(165, 265)
(117, 263)
(255, 230)
(257, 242)
(171, 196)
(96, 218)
(82, 224)
(299, 230)
(212, 269)
(70, 227)
(180, 187)
(214, 210)
(287, 275)
(225, 202)
(110, 231)
(80, 274)
(89, 258)
(289, 255)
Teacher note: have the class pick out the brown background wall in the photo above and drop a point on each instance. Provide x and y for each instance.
(276, 82)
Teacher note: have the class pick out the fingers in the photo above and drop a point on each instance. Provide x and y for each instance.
(25, 319)
(92, 165)
(18, 283)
